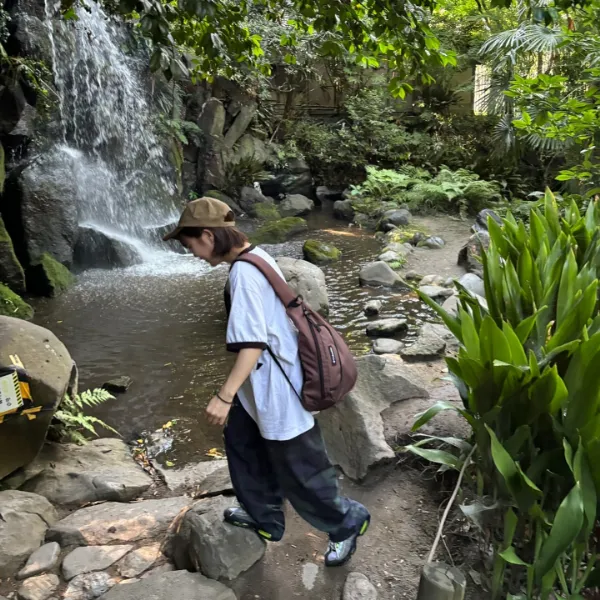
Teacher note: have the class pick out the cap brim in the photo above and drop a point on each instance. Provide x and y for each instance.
(172, 234)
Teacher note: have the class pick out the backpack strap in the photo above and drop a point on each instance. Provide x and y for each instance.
(281, 288)
(283, 291)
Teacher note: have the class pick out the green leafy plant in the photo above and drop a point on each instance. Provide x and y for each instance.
(528, 373)
(242, 173)
(73, 422)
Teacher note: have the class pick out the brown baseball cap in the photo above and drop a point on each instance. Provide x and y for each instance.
(204, 212)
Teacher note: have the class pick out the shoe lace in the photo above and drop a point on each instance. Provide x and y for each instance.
(335, 547)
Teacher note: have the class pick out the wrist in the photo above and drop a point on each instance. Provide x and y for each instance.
(225, 395)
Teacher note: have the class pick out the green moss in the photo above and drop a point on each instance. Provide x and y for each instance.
(11, 271)
(396, 265)
(280, 231)
(2, 169)
(12, 305)
(48, 277)
(265, 212)
(320, 253)
(217, 196)
(403, 235)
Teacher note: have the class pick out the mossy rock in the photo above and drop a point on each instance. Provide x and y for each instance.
(11, 271)
(399, 264)
(265, 212)
(277, 232)
(48, 277)
(235, 207)
(12, 305)
(404, 235)
(320, 253)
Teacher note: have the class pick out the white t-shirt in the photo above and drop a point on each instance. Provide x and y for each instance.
(258, 319)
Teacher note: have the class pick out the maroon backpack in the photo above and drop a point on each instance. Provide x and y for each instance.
(328, 365)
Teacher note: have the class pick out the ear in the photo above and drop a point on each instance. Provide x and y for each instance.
(208, 235)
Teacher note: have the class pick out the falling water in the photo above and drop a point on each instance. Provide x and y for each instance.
(122, 178)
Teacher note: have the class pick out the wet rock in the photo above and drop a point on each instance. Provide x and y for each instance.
(71, 475)
(92, 558)
(118, 385)
(51, 372)
(249, 197)
(473, 283)
(11, 271)
(117, 522)
(390, 256)
(192, 477)
(296, 205)
(188, 586)
(320, 253)
(433, 243)
(451, 305)
(38, 588)
(90, 586)
(24, 519)
(413, 276)
(265, 211)
(217, 483)
(95, 249)
(386, 327)
(250, 147)
(280, 231)
(382, 382)
(430, 344)
(235, 207)
(43, 559)
(387, 346)
(373, 307)
(397, 217)
(308, 281)
(325, 194)
(140, 560)
(208, 544)
(379, 274)
(435, 292)
(343, 209)
(436, 280)
(469, 256)
(358, 587)
(481, 221)
(401, 249)
(48, 277)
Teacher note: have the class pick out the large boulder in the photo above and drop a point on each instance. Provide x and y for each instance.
(51, 373)
(481, 221)
(473, 284)
(11, 271)
(71, 475)
(95, 249)
(211, 159)
(235, 207)
(206, 543)
(115, 522)
(48, 207)
(431, 343)
(379, 273)
(249, 197)
(179, 584)
(320, 253)
(204, 478)
(386, 327)
(308, 281)
(469, 256)
(296, 205)
(277, 232)
(238, 127)
(324, 194)
(48, 277)
(88, 559)
(354, 429)
(24, 519)
(288, 183)
(343, 209)
(250, 147)
(398, 217)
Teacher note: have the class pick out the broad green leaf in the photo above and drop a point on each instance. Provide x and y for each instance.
(510, 556)
(566, 288)
(470, 339)
(436, 456)
(493, 344)
(525, 327)
(451, 322)
(565, 529)
(583, 476)
(438, 407)
(517, 352)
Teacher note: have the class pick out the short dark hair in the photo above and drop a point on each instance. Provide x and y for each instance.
(226, 238)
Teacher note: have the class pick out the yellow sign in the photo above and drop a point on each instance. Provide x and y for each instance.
(10, 393)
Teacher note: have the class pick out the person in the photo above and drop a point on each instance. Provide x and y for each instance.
(274, 446)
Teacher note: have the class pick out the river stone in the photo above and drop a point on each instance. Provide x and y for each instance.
(112, 522)
(89, 586)
(206, 543)
(358, 587)
(296, 205)
(379, 274)
(469, 256)
(51, 372)
(433, 243)
(181, 585)
(353, 429)
(399, 217)
(191, 477)
(320, 253)
(389, 256)
(372, 307)
(308, 281)
(481, 221)
(387, 346)
(325, 194)
(435, 292)
(343, 209)
(437, 280)
(71, 475)
(96, 249)
(428, 345)
(140, 560)
(451, 305)
(39, 588)
(386, 327)
(43, 559)
(11, 271)
(473, 283)
(165, 568)
(277, 232)
(92, 558)
(24, 519)
(216, 484)
(118, 385)
(249, 197)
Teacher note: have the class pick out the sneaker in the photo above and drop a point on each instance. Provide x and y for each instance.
(240, 518)
(339, 553)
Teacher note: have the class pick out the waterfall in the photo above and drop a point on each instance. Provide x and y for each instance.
(122, 178)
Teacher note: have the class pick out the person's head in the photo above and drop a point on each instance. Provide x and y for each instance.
(207, 229)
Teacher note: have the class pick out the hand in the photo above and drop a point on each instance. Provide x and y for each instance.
(217, 411)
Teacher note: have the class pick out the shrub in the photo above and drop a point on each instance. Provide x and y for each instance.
(242, 173)
(528, 373)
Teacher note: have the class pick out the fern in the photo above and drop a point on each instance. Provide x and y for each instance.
(72, 422)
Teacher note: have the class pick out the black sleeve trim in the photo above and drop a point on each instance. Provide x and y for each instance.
(236, 347)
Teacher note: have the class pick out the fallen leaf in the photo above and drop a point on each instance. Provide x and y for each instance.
(214, 453)
(168, 463)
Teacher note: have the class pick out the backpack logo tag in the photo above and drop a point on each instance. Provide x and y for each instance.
(332, 354)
